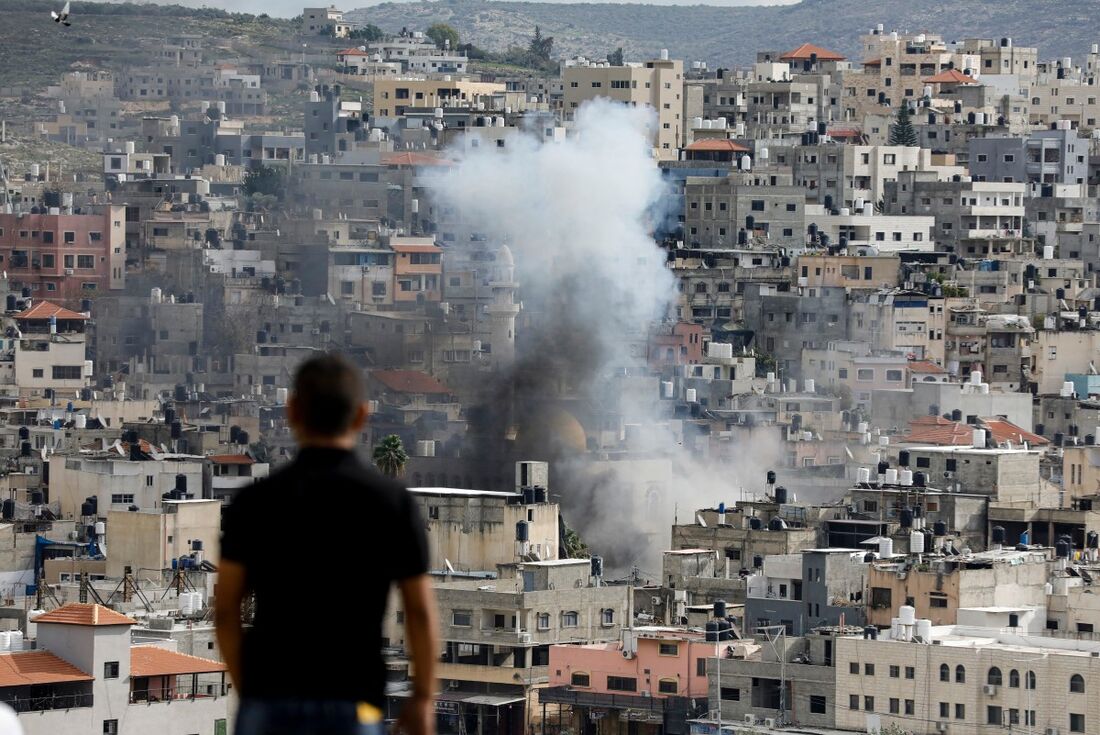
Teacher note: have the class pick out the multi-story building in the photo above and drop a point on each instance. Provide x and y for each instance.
(658, 84)
(741, 207)
(324, 22)
(807, 589)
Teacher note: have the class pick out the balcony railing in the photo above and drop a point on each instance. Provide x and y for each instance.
(160, 694)
(50, 701)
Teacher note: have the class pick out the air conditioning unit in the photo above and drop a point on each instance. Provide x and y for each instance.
(948, 475)
(525, 638)
(69, 271)
(941, 727)
(990, 689)
(769, 722)
(750, 718)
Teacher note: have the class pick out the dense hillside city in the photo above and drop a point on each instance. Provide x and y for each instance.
(749, 393)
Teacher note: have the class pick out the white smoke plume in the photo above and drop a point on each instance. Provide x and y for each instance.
(577, 216)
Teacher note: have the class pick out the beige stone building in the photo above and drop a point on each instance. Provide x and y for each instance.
(148, 541)
(658, 84)
(394, 95)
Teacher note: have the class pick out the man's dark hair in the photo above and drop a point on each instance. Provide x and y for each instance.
(328, 391)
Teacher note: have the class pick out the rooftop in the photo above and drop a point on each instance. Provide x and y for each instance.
(157, 661)
(231, 459)
(950, 76)
(409, 381)
(82, 613)
(45, 309)
(721, 145)
(807, 51)
(27, 668)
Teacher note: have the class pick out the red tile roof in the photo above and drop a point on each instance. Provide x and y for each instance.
(45, 309)
(1004, 431)
(845, 133)
(231, 459)
(950, 76)
(27, 668)
(82, 613)
(721, 145)
(806, 50)
(157, 661)
(409, 381)
(925, 366)
(352, 52)
(873, 62)
(412, 158)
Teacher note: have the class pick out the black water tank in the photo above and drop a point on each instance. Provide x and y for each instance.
(181, 484)
(24, 433)
(906, 518)
(540, 495)
(1061, 549)
(1092, 540)
(711, 629)
(757, 561)
(25, 449)
(169, 415)
(85, 394)
(775, 524)
(26, 292)
(903, 458)
(596, 563)
(196, 545)
(771, 477)
(750, 222)
(755, 523)
(135, 452)
(1059, 439)
(939, 528)
(781, 495)
(1060, 293)
(181, 393)
(37, 498)
(720, 609)
(11, 302)
(7, 509)
(1090, 439)
(957, 415)
(882, 467)
(796, 422)
(1040, 429)
(94, 500)
(919, 479)
(242, 437)
(176, 430)
(86, 509)
(999, 535)
(521, 531)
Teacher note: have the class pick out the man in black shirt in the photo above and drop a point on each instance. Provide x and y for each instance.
(319, 544)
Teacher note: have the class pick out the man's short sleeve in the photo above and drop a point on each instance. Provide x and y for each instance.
(412, 541)
(235, 540)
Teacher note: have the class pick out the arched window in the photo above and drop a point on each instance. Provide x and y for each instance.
(1030, 680)
(945, 672)
(1077, 684)
(960, 674)
(1014, 679)
(993, 678)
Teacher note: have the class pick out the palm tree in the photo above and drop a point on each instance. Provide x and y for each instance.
(390, 456)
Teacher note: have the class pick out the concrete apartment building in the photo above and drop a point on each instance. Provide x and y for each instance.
(939, 587)
(895, 319)
(807, 589)
(783, 316)
(742, 207)
(118, 482)
(49, 352)
(847, 175)
(855, 369)
(658, 84)
(148, 542)
(324, 21)
(854, 272)
(393, 96)
(1007, 475)
(1056, 156)
(65, 257)
(651, 680)
(870, 233)
(968, 679)
(85, 676)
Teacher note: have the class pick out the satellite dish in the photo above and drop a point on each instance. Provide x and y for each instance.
(699, 518)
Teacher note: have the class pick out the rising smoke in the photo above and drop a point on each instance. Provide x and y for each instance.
(577, 215)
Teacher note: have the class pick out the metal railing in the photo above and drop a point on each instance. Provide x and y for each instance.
(50, 701)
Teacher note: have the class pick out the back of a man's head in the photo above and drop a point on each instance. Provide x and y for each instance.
(328, 394)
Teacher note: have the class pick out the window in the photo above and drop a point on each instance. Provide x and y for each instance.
(570, 619)
(993, 678)
(668, 649)
(622, 684)
(993, 715)
(667, 686)
(580, 679)
(960, 711)
(945, 709)
(865, 374)
(1077, 684)
(462, 618)
(960, 674)
(1030, 680)
(817, 704)
(895, 706)
(36, 372)
(731, 694)
(853, 667)
(869, 703)
(85, 261)
(895, 672)
(945, 672)
(700, 667)
(910, 672)
(893, 376)
(937, 601)
(122, 498)
(543, 621)
(607, 617)
(1014, 679)
(67, 372)
(110, 670)
(110, 727)
(868, 669)
(69, 237)
(853, 701)
(757, 205)
(1076, 722)
(910, 707)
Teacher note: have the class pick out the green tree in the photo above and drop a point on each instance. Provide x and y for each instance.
(369, 33)
(442, 35)
(390, 456)
(615, 58)
(902, 132)
(265, 180)
(541, 46)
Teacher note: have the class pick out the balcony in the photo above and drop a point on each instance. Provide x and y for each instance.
(50, 701)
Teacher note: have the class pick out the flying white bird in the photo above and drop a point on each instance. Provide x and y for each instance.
(63, 16)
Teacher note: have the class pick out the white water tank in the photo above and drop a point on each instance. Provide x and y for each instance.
(155, 295)
(664, 54)
(978, 438)
(976, 377)
(129, 147)
(861, 427)
(1067, 389)
(89, 368)
(810, 385)
(668, 389)
(905, 477)
(924, 630)
(690, 395)
(696, 123)
(907, 615)
(5, 641)
(1048, 252)
(770, 377)
(916, 542)
(891, 476)
(885, 547)
(895, 629)
(80, 421)
(100, 528)
(863, 475)
(281, 395)
(884, 441)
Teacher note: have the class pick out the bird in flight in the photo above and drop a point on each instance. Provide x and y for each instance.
(63, 16)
